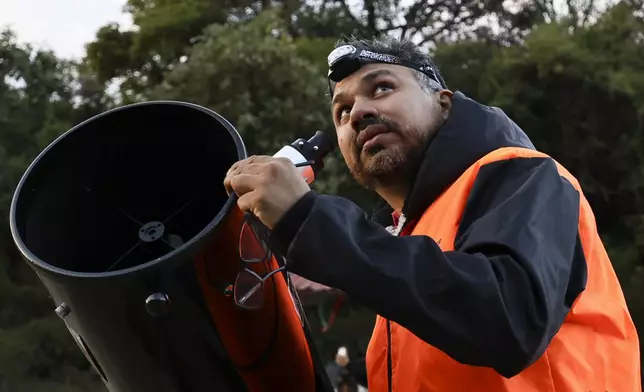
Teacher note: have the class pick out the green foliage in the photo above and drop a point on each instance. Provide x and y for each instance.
(245, 72)
(315, 50)
(565, 88)
(37, 91)
(110, 55)
(167, 29)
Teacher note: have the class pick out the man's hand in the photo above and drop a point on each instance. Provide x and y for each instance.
(267, 187)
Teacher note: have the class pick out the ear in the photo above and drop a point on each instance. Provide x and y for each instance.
(445, 102)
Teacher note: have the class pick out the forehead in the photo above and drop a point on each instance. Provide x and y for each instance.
(368, 73)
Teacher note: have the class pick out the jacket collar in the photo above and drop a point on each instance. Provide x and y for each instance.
(471, 131)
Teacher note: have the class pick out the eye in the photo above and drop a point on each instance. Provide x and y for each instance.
(383, 87)
(343, 111)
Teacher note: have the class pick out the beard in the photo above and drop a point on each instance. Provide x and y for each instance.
(389, 165)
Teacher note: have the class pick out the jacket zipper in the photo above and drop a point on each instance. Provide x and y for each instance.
(402, 225)
(389, 370)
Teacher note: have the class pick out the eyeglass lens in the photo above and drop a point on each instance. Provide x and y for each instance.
(248, 291)
(251, 248)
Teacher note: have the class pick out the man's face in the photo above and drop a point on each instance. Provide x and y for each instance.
(383, 119)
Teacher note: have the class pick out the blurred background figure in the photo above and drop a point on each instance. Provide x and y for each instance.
(342, 375)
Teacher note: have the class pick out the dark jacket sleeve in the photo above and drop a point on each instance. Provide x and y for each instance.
(496, 300)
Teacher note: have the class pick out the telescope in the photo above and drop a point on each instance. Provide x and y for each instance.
(127, 223)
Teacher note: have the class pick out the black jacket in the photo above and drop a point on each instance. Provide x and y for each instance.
(502, 294)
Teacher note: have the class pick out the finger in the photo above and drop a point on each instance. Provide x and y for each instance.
(254, 165)
(244, 183)
(232, 172)
(228, 185)
(265, 167)
(246, 202)
(241, 166)
(236, 169)
(260, 158)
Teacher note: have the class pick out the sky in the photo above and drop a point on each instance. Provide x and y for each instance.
(64, 26)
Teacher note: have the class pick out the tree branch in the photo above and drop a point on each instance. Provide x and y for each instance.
(371, 16)
(347, 10)
(588, 10)
(572, 11)
(410, 17)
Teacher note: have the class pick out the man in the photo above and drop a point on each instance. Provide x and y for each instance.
(492, 276)
(339, 375)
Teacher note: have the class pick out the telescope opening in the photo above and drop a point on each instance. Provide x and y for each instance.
(126, 187)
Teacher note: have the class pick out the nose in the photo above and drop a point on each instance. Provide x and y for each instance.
(361, 110)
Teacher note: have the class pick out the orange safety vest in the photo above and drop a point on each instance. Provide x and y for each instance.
(596, 349)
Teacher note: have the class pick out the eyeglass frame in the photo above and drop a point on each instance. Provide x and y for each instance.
(253, 224)
(262, 237)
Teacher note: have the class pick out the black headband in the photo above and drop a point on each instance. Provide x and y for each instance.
(345, 60)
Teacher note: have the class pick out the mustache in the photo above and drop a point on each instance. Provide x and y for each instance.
(362, 124)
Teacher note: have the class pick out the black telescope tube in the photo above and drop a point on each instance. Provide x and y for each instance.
(122, 218)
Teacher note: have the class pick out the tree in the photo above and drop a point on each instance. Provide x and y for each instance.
(36, 105)
(165, 30)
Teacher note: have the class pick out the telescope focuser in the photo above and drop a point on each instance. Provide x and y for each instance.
(313, 150)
